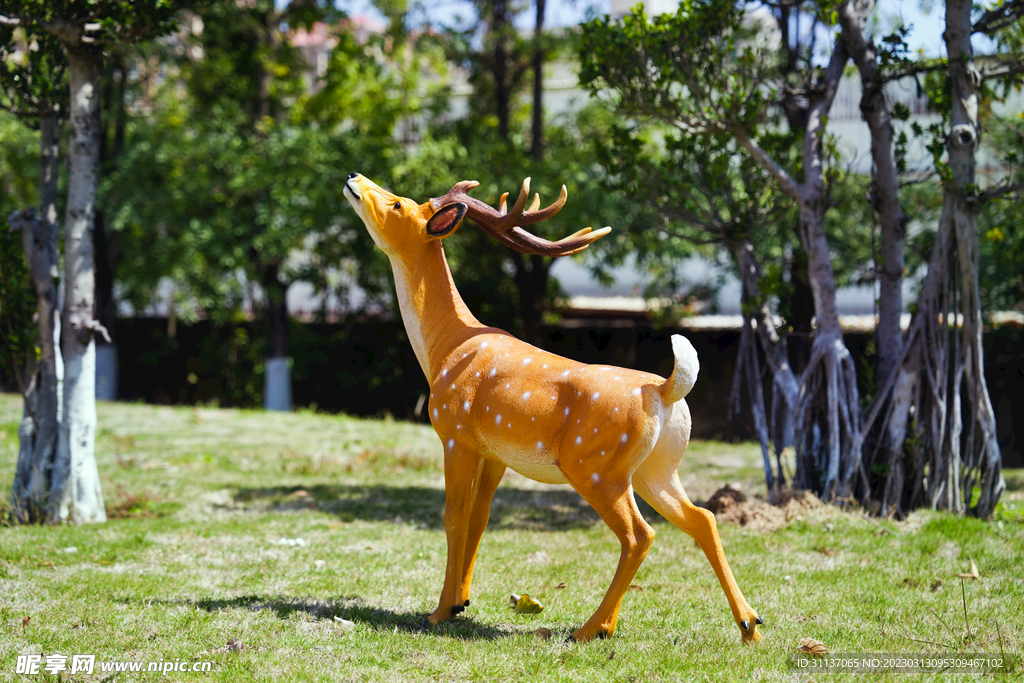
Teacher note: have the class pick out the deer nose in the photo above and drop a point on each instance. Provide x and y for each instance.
(352, 175)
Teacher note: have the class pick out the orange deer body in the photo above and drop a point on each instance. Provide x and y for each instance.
(498, 402)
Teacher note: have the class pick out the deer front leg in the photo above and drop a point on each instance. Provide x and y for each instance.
(614, 502)
(490, 477)
(469, 482)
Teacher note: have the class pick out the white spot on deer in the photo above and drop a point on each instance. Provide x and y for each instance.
(494, 371)
(507, 386)
(616, 378)
(464, 355)
(544, 367)
(565, 374)
(595, 430)
(566, 412)
(526, 395)
(595, 477)
(458, 426)
(636, 392)
(435, 412)
(625, 438)
(444, 373)
(602, 452)
(579, 440)
(497, 420)
(465, 406)
(484, 345)
(451, 443)
(597, 395)
(533, 419)
(527, 361)
(616, 409)
(444, 407)
(540, 445)
(509, 425)
(453, 386)
(487, 409)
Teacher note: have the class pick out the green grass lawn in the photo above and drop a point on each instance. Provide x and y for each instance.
(203, 503)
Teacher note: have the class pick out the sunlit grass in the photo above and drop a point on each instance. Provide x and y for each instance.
(207, 506)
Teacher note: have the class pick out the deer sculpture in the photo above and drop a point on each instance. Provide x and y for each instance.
(498, 402)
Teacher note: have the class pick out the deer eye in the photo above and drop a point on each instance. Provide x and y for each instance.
(398, 206)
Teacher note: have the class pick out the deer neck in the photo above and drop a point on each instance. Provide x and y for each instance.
(436, 318)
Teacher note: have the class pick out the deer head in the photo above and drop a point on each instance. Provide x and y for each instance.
(397, 223)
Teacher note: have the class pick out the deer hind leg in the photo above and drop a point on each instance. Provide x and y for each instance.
(613, 501)
(470, 481)
(658, 483)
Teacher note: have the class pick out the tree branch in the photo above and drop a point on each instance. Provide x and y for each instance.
(913, 69)
(1011, 68)
(765, 161)
(999, 17)
(996, 193)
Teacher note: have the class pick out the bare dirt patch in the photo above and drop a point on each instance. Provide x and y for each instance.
(730, 504)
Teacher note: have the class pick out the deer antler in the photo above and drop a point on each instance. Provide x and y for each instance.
(505, 226)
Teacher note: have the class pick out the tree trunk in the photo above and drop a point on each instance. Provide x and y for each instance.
(939, 396)
(500, 22)
(853, 17)
(532, 274)
(75, 489)
(41, 424)
(537, 143)
(981, 456)
(757, 322)
(801, 310)
(277, 386)
(828, 418)
(827, 422)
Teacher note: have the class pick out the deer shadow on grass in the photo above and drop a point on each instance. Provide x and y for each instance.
(350, 608)
(512, 508)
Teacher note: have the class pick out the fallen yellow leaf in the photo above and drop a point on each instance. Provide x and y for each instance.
(527, 605)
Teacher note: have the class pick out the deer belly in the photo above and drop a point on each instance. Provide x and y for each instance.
(536, 464)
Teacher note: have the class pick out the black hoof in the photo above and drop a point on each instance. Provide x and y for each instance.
(458, 609)
(760, 620)
(466, 604)
(602, 635)
(745, 625)
(570, 639)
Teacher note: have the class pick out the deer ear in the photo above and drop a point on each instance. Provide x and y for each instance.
(446, 219)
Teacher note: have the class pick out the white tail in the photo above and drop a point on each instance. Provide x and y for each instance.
(684, 374)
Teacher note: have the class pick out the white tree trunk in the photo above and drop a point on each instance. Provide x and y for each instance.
(75, 490)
